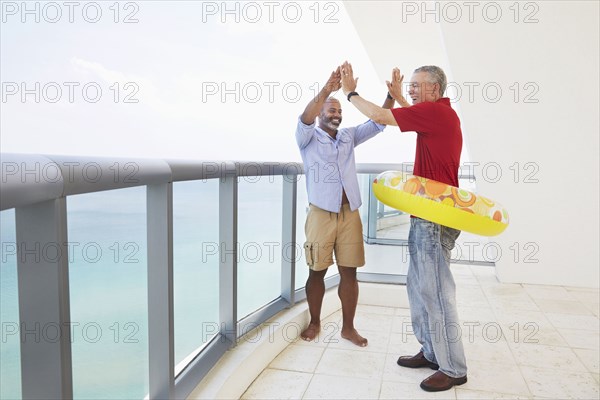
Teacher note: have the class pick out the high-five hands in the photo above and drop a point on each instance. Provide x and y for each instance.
(395, 86)
(334, 82)
(348, 81)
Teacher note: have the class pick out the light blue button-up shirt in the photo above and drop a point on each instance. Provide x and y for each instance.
(329, 164)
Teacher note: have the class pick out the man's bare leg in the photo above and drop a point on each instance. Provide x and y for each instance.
(348, 292)
(315, 290)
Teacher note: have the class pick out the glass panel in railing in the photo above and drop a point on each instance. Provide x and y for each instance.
(196, 266)
(386, 225)
(259, 235)
(472, 248)
(382, 222)
(108, 288)
(379, 222)
(10, 354)
(301, 213)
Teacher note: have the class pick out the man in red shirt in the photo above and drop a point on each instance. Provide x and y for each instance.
(430, 285)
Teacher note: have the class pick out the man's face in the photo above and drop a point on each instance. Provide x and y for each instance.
(421, 90)
(331, 115)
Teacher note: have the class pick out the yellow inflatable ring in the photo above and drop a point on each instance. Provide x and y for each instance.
(440, 203)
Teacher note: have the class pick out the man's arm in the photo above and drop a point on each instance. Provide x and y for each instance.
(313, 108)
(368, 130)
(388, 103)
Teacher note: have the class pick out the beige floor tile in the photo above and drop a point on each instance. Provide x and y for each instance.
(495, 378)
(485, 275)
(487, 352)
(472, 298)
(581, 339)
(507, 304)
(591, 359)
(519, 319)
(352, 363)
(476, 314)
(533, 333)
(588, 297)
(401, 324)
(586, 322)
(378, 342)
(560, 306)
(548, 357)
(403, 344)
(560, 384)
(461, 269)
(465, 280)
(594, 308)
(298, 358)
(590, 291)
(319, 341)
(334, 317)
(368, 309)
(403, 390)
(340, 387)
(277, 384)
(467, 394)
(548, 292)
(402, 311)
(372, 322)
(483, 332)
(505, 290)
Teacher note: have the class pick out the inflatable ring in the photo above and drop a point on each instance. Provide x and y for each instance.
(440, 203)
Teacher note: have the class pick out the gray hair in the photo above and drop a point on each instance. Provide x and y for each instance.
(436, 75)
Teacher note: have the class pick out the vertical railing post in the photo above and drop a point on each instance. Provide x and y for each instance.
(288, 238)
(228, 253)
(160, 291)
(43, 281)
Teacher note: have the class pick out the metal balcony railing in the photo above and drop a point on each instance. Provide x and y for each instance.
(37, 186)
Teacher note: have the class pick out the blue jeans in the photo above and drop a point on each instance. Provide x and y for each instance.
(432, 296)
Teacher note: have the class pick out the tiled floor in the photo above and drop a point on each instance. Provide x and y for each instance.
(521, 341)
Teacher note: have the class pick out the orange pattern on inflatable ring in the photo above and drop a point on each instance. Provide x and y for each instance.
(441, 203)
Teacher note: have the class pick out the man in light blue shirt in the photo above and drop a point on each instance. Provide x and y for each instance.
(333, 223)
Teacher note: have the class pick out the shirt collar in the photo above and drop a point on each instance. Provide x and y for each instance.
(323, 133)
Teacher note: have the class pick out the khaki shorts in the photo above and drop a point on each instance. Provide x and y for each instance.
(328, 232)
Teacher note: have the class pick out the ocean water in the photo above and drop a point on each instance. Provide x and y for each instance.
(108, 279)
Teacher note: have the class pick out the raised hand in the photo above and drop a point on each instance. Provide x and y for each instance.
(395, 86)
(348, 82)
(334, 82)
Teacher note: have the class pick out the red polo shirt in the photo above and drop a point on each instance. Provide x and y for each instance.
(439, 138)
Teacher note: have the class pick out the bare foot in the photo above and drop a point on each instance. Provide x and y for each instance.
(354, 337)
(310, 332)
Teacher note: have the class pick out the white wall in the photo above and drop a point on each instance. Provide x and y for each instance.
(554, 221)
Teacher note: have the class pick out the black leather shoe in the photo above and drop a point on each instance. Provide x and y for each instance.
(439, 382)
(416, 361)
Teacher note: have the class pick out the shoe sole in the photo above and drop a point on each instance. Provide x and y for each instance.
(457, 382)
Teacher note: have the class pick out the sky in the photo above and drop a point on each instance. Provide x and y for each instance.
(177, 79)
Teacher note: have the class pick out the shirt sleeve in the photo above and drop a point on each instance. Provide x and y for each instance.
(304, 133)
(419, 118)
(366, 131)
